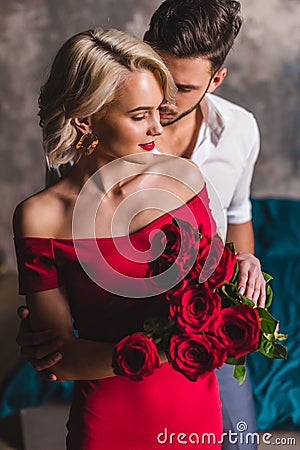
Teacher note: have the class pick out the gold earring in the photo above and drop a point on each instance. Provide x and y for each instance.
(87, 143)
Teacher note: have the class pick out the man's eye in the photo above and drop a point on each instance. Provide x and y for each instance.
(182, 89)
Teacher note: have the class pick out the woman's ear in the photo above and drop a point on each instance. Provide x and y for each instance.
(83, 125)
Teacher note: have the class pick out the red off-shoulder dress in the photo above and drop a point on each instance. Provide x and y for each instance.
(165, 410)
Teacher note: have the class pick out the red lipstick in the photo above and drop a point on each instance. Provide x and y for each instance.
(148, 147)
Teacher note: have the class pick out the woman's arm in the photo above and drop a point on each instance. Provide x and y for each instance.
(40, 215)
(82, 359)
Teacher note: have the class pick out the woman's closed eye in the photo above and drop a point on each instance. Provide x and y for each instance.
(140, 116)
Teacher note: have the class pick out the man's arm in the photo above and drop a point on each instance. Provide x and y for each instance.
(240, 230)
(82, 359)
(40, 348)
(242, 235)
(251, 281)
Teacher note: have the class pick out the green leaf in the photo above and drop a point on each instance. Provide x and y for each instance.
(228, 290)
(267, 322)
(245, 301)
(235, 276)
(236, 361)
(158, 327)
(272, 350)
(269, 291)
(269, 296)
(152, 324)
(168, 325)
(270, 336)
(276, 336)
(176, 221)
(280, 336)
(230, 245)
(227, 302)
(267, 277)
(239, 373)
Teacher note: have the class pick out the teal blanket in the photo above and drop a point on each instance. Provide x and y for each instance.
(276, 384)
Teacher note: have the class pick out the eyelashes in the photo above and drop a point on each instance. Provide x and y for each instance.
(140, 117)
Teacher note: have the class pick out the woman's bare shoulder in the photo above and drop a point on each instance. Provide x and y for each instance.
(38, 215)
(183, 174)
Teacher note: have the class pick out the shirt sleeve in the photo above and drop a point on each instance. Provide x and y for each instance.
(36, 265)
(239, 210)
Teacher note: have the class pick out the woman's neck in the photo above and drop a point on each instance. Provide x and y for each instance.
(110, 173)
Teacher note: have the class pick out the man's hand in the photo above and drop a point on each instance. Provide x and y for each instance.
(41, 348)
(251, 281)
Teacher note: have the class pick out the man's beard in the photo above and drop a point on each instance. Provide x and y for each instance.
(188, 111)
(182, 115)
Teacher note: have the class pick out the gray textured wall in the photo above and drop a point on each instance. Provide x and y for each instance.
(264, 76)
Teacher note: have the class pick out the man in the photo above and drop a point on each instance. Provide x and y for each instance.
(194, 37)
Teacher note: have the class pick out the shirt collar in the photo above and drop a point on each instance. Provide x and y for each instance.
(213, 116)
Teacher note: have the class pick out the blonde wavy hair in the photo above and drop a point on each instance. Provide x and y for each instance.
(84, 78)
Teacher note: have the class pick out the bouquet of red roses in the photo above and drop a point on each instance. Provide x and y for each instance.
(209, 321)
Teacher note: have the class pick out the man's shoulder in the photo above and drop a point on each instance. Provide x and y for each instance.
(229, 109)
(236, 125)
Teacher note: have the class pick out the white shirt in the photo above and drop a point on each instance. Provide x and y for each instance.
(226, 151)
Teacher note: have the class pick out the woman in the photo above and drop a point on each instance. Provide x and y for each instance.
(100, 106)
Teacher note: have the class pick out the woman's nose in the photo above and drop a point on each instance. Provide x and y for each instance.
(155, 128)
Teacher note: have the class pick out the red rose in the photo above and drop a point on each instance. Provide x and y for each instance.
(195, 354)
(196, 308)
(189, 245)
(135, 356)
(215, 263)
(168, 269)
(176, 240)
(174, 293)
(167, 240)
(224, 270)
(239, 331)
(177, 243)
(209, 255)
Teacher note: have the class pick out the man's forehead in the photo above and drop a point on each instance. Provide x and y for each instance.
(187, 71)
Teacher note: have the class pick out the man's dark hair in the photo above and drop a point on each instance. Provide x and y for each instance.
(193, 28)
